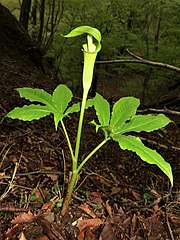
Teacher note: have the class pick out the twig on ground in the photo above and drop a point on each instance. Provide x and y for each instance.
(169, 227)
(34, 173)
(159, 144)
(10, 184)
(160, 111)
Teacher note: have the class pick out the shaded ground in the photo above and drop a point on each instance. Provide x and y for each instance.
(117, 196)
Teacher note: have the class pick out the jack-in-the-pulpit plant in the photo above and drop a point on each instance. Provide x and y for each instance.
(116, 124)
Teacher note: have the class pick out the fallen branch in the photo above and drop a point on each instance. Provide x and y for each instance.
(141, 61)
(159, 144)
(160, 111)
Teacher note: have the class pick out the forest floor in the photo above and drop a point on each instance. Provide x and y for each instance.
(117, 196)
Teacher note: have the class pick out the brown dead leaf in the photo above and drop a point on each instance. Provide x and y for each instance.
(115, 190)
(53, 177)
(107, 232)
(86, 209)
(89, 223)
(29, 140)
(38, 194)
(23, 218)
(11, 231)
(81, 235)
(134, 222)
(126, 222)
(136, 195)
(43, 237)
(97, 200)
(47, 207)
(121, 212)
(96, 194)
(108, 208)
(2, 174)
(21, 236)
(86, 234)
(157, 209)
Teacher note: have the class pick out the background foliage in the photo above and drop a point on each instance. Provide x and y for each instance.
(149, 28)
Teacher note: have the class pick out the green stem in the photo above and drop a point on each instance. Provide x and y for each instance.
(68, 141)
(78, 139)
(75, 173)
(72, 184)
(92, 153)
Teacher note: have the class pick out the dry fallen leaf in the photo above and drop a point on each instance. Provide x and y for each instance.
(43, 237)
(2, 174)
(86, 234)
(91, 223)
(115, 190)
(134, 222)
(21, 236)
(86, 209)
(108, 208)
(126, 222)
(23, 218)
(11, 231)
(136, 195)
(107, 232)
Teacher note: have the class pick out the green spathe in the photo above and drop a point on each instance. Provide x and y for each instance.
(90, 50)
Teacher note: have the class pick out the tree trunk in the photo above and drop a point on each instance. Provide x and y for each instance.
(34, 12)
(42, 10)
(24, 14)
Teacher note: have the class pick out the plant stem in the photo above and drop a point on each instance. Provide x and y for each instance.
(78, 139)
(75, 173)
(72, 184)
(68, 140)
(92, 153)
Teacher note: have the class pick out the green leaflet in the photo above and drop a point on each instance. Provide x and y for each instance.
(58, 116)
(29, 113)
(89, 103)
(148, 155)
(36, 95)
(62, 95)
(147, 123)
(102, 108)
(74, 108)
(123, 110)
